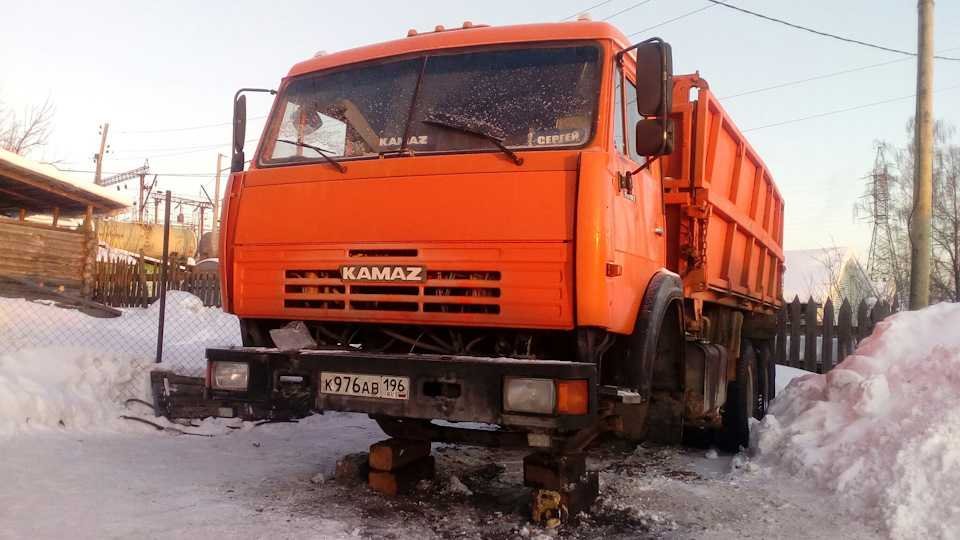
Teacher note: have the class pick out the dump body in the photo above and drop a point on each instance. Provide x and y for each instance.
(468, 215)
(724, 212)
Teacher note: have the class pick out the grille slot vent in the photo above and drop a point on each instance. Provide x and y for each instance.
(461, 291)
(445, 291)
(383, 253)
(491, 309)
(385, 306)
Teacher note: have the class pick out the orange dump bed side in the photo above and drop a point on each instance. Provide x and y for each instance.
(724, 212)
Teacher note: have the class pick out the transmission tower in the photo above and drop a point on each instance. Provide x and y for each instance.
(882, 263)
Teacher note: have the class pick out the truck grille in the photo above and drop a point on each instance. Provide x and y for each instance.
(443, 291)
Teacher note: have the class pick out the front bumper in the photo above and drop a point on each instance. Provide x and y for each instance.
(451, 388)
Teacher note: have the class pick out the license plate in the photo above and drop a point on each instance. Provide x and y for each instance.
(376, 386)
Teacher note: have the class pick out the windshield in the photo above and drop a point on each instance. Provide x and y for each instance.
(536, 98)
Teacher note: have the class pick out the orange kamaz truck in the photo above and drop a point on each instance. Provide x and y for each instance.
(519, 236)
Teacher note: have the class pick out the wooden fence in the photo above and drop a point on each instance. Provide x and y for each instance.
(814, 340)
(136, 283)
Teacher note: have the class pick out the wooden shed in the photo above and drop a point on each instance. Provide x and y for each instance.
(40, 244)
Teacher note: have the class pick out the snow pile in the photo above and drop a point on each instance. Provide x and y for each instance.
(62, 387)
(60, 368)
(883, 428)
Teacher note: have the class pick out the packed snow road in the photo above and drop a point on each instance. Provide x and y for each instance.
(869, 450)
(275, 481)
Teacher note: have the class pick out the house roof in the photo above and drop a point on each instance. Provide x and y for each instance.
(815, 273)
(39, 189)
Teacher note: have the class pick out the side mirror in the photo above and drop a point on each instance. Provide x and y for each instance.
(239, 132)
(240, 125)
(652, 139)
(654, 78)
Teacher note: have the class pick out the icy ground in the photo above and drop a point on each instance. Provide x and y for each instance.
(869, 451)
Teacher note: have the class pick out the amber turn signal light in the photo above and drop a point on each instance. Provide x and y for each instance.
(573, 397)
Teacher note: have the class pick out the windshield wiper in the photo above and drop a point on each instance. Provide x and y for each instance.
(318, 150)
(474, 130)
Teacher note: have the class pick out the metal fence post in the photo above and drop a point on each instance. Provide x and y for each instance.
(163, 277)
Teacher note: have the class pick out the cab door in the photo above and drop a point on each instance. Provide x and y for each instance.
(638, 205)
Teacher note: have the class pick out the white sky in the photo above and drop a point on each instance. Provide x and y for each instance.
(153, 69)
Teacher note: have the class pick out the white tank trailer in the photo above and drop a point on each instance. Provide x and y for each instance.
(134, 237)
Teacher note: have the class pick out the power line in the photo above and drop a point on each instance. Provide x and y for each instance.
(819, 33)
(199, 149)
(173, 130)
(193, 175)
(822, 76)
(179, 175)
(123, 151)
(585, 10)
(187, 128)
(812, 79)
(190, 150)
(625, 10)
(842, 110)
(674, 19)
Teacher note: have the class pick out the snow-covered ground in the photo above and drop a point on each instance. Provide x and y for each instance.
(869, 450)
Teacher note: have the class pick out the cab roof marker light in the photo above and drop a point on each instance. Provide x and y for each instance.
(467, 25)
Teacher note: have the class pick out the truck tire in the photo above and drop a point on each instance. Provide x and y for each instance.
(662, 404)
(651, 361)
(743, 399)
(766, 377)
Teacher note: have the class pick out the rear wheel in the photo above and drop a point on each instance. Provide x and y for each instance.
(766, 371)
(744, 401)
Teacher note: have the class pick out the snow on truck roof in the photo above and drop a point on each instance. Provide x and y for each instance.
(39, 189)
(468, 34)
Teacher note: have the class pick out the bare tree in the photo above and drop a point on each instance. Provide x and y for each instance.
(27, 132)
(892, 261)
(945, 233)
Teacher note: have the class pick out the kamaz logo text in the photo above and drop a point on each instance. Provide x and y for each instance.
(354, 272)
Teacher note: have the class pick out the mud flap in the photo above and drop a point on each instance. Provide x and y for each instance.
(665, 418)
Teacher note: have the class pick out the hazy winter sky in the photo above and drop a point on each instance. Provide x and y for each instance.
(154, 70)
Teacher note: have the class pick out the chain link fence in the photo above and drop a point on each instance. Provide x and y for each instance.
(124, 347)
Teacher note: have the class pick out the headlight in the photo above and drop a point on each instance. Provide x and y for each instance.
(230, 375)
(524, 395)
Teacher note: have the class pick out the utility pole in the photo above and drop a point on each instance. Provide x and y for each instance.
(99, 157)
(920, 218)
(143, 176)
(216, 211)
